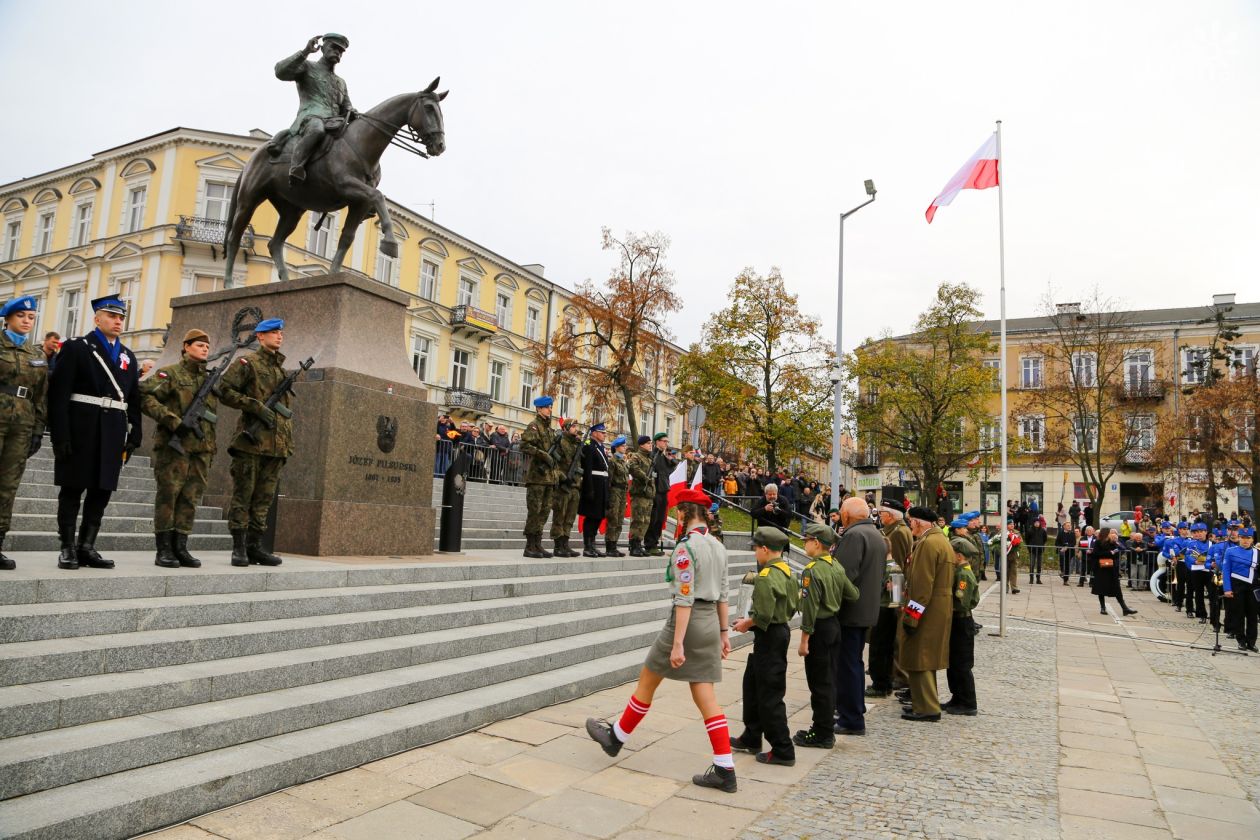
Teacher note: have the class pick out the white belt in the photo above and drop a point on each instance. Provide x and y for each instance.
(597, 472)
(102, 402)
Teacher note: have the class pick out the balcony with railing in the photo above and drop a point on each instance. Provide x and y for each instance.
(1143, 389)
(473, 322)
(866, 460)
(1138, 456)
(474, 402)
(206, 231)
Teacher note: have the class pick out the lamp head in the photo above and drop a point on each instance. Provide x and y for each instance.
(870, 188)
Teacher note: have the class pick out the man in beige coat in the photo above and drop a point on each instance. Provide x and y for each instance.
(926, 616)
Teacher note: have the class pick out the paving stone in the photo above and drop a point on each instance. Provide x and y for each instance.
(353, 792)
(544, 778)
(664, 761)
(474, 799)
(585, 813)
(519, 828)
(1131, 810)
(1187, 827)
(629, 786)
(1115, 745)
(576, 751)
(752, 794)
(478, 748)
(527, 730)
(401, 821)
(1193, 780)
(701, 820)
(428, 769)
(1072, 779)
(1088, 828)
(275, 817)
(1209, 806)
(183, 832)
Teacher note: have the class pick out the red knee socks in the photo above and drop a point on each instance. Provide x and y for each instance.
(720, 738)
(635, 711)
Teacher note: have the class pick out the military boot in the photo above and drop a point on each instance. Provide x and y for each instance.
(68, 558)
(655, 551)
(538, 546)
(6, 563)
(564, 547)
(86, 549)
(239, 556)
(180, 545)
(588, 547)
(532, 548)
(165, 554)
(257, 554)
(611, 550)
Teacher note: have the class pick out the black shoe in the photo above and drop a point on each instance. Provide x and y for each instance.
(840, 730)
(6, 563)
(538, 546)
(1102, 612)
(602, 733)
(1177, 607)
(1242, 646)
(589, 551)
(983, 576)
(739, 746)
(256, 553)
(872, 691)
(611, 550)
(904, 695)
(961, 710)
(1081, 583)
(1038, 579)
(769, 757)
(721, 778)
(810, 738)
(1014, 591)
(86, 549)
(239, 555)
(1252, 647)
(636, 548)
(531, 549)
(165, 556)
(918, 717)
(179, 544)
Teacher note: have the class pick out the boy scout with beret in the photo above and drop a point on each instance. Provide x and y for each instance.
(774, 599)
(962, 632)
(824, 585)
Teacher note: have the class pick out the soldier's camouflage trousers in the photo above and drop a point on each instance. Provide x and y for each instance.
(15, 441)
(640, 515)
(564, 505)
(537, 508)
(254, 479)
(181, 482)
(616, 513)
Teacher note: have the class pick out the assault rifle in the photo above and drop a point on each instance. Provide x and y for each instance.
(568, 479)
(197, 409)
(273, 401)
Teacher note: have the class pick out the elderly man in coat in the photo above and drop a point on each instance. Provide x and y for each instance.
(925, 619)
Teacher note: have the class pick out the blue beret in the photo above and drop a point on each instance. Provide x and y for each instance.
(1199, 526)
(1247, 532)
(109, 303)
(713, 508)
(644, 439)
(543, 402)
(970, 515)
(598, 427)
(22, 304)
(619, 441)
(960, 522)
(1181, 525)
(269, 325)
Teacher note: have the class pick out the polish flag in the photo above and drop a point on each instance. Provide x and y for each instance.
(978, 173)
(677, 483)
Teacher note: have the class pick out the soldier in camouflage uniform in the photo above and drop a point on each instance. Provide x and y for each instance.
(256, 464)
(23, 407)
(181, 476)
(618, 484)
(564, 499)
(642, 493)
(540, 480)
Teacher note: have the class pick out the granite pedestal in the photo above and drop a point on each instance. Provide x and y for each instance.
(360, 481)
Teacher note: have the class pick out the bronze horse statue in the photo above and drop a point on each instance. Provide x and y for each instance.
(344, 173)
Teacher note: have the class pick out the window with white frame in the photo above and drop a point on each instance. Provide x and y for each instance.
(498, 375)
(1030, 372)
(599, 356)
(1032, 433)
(1242, 360)
(1196, 429)
(1244, 430)
(321, 240)
(1139, 370)
(12, 239)
(527, 389)
(461, 368)
(39, 318)
(621, 417)
(386, 268)
(206, 283)
(71, 307)
(1084, 369)
(669, 426)
(503, 309)
(216, 200)
(533, 321)
(989, 434)
(421, 353)
(566, 400)
(428, 279)
(125, 288)
(994, 366)
(1195, 363)
(1140, 433)
(467, 294)
(44, 232)
(134, 218)
(1085, 433)
(82, 233)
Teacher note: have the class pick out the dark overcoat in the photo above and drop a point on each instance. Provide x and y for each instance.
(97, 435)
(593, 502)
(930, 584)
(1106, 578)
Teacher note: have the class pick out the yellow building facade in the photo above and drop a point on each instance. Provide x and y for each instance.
(146, 220)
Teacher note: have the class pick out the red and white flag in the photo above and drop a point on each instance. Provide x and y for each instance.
(978, 173)
(677, 483)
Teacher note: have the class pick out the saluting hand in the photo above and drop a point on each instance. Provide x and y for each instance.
(313, 44)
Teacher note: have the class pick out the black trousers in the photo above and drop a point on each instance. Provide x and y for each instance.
(847, 673)
(818, 665)
(1183, 585)
(1034, 560)
(962, 658)
(883, 647)
(765, 683)
(94, 502)
(1200, 582)
(660, 506)
(1245, 610)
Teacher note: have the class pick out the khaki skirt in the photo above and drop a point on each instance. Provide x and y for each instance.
(702, 646)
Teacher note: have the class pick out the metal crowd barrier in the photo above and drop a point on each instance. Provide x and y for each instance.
(486, 463)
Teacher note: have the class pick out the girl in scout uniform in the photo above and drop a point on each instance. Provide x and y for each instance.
(23, 381)
(691, 645)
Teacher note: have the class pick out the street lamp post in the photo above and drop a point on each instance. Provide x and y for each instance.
(836, 373)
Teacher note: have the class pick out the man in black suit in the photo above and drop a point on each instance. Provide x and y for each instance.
(94, 423)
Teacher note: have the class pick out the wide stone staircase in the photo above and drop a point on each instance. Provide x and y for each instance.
(142, 697)
(128, 522)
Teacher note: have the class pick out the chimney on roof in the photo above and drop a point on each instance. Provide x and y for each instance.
(537, 268)
(1068, 308)
(259, 134)
(1223, 300)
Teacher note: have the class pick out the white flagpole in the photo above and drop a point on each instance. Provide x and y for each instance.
(1006, 581)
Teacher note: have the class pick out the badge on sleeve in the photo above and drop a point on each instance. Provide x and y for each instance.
(682, 559)
(686, 589)
(915, 610)
(162, 374)
(684, 577)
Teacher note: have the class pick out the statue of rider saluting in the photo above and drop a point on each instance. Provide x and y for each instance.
(323, 102)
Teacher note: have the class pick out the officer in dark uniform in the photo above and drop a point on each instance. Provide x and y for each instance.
(23, 405)
(593, 504)
(94, 423)
(660, 503)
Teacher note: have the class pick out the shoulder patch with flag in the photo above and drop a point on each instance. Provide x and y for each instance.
(915, 610)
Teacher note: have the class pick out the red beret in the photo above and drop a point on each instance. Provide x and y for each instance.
(695, 496)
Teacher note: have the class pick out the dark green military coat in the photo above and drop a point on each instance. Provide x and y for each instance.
(246, 386)
(928, 604)
(25, 367)
(536, 442)
(166, 395)
(639, 464)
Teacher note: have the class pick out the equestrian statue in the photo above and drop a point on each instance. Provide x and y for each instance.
(329, 158)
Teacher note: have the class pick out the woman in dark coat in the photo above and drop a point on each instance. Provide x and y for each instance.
(1104, 562)
(1036, 540)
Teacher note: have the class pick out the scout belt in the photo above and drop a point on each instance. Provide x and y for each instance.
(19, 391)
(597, 472)
(101, 402)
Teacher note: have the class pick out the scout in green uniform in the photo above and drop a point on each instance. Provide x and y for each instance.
(774, 599)
(181, 476)
(618, 484)
(642, 493)
(23, 405)
(567, 453)
(824, 585)
(256, 464)
(540, 483)
(962, 631)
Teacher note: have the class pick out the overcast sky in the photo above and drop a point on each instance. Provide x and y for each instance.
(739, 129)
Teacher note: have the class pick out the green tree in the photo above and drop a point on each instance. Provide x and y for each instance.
(921, 399)
(762, 367)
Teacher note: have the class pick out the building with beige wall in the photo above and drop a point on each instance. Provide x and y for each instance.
(145, 220)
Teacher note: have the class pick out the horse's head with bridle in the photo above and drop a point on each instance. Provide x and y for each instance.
(425, 119)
